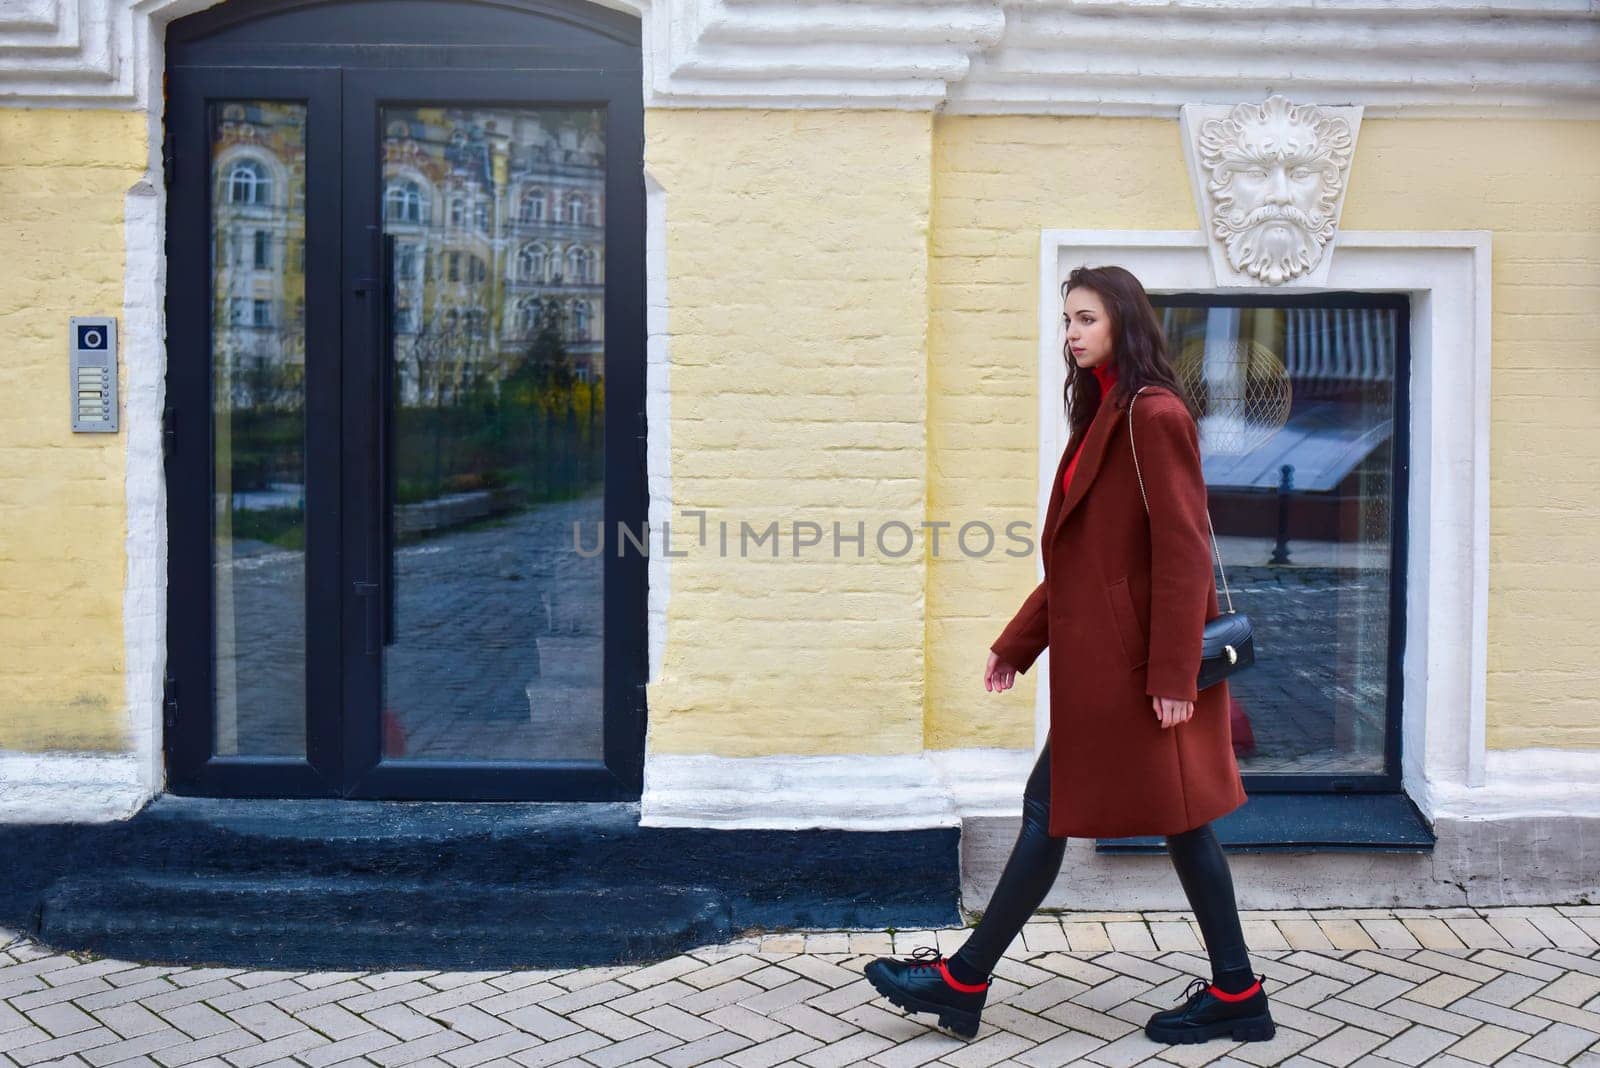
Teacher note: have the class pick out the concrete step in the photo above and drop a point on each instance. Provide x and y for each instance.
(488, 842)
(159, 885)
(375, 922)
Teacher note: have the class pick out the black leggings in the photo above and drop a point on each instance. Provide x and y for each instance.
(1036, 859)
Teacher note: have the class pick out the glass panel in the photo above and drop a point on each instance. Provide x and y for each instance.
(1297, 443)
(498, 216)
(258, 345)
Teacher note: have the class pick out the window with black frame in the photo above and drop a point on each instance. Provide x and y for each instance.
(1303, 438)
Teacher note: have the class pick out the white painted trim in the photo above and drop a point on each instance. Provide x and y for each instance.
(942, 786)
(1142, 58)
(144, 596)
(935, 788)
(1561, 783)
(70, 788)
(1518, 783)
(144, 353)
(850, 792)
(1447, 274)
(658, 418)
(984, 781)
(1063, 57)
(99, 52)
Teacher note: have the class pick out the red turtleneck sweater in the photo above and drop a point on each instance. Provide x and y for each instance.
(1106, 374)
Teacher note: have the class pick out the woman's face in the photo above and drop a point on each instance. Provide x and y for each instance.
(1088, 328)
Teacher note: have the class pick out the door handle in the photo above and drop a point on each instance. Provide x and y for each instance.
(384, 449)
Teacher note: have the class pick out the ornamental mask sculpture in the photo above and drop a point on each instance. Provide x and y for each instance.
(1274, 173)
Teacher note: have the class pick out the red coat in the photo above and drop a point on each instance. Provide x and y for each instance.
(1121, 607)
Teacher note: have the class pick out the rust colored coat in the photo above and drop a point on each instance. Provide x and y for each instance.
(1122, 606)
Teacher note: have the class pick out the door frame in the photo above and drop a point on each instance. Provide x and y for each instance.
(189, 441)
(366, 92)
(343, 748)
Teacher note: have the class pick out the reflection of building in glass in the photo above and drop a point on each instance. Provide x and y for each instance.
(497, 215)
(1338, 365)
(258, 252)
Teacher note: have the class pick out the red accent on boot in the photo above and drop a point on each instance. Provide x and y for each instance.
(965, 988)
(1223, 995)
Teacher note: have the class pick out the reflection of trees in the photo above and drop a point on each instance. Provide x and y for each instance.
(542, 405)
(462, 422)
(447, 356)
(265, 392)
(444, 355)
(268, 383)
(534, 431)
(259, 367)
(547, 368)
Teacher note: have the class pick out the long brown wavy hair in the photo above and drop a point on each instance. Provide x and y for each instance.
(1139, 348)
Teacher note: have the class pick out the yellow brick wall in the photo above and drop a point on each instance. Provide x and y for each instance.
(999, 180)
(1537, 186)
(797, 262)
(63, 174)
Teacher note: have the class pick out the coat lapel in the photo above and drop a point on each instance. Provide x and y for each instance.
(1096, 440)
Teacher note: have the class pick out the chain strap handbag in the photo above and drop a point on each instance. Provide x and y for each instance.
(1227, 644)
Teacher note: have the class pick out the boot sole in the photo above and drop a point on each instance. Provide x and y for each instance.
(962, 1023)
(1245, 1029)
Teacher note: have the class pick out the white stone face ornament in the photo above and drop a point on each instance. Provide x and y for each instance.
(1270, 180)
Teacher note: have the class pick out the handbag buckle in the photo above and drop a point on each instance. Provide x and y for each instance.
(1233, 657)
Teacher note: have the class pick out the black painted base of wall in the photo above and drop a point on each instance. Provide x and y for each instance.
(370, 884)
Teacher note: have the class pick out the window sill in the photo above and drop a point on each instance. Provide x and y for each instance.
(1308, 823)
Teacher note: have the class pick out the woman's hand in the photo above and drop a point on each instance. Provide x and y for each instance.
(998, 675)
(1172, 710)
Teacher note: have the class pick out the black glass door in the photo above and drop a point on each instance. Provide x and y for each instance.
(405, 372)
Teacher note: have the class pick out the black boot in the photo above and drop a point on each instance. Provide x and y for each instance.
(1210, 1012)
(922, 983)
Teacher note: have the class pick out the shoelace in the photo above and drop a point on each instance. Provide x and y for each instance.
(929, 958)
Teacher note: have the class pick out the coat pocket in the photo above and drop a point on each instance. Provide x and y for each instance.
(1134, 644)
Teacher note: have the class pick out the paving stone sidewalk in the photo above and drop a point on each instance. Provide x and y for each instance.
(1453, 987)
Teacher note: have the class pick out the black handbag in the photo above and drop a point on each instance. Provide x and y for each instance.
(1227, 644)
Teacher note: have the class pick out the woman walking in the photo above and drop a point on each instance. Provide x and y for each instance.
(1133, 748)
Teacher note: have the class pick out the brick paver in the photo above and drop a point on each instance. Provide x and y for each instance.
(1457, 987)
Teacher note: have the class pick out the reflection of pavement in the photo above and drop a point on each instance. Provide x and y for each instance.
(1315, 697)
(498, 639)
(261, 657)
(498, 642)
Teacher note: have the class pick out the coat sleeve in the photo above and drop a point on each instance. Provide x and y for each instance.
(1028, 633)
(1180, 551)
